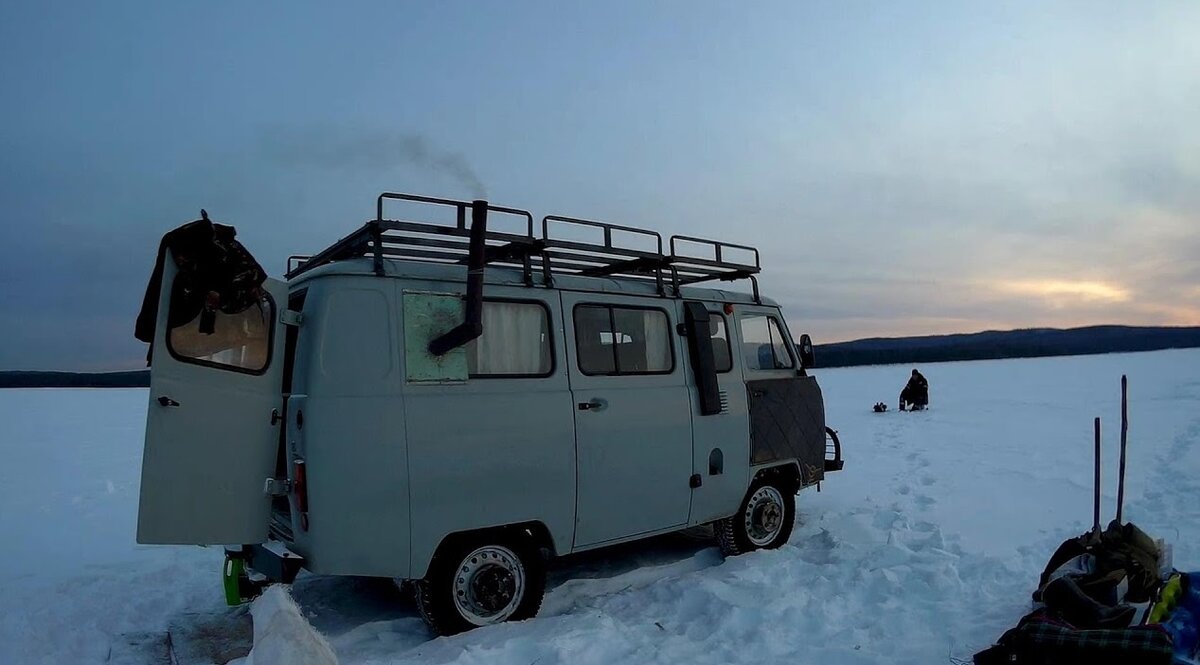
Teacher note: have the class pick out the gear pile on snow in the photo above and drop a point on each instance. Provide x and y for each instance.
(1107, 597)
(1114, 599)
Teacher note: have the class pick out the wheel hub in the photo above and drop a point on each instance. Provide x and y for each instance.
(764, 515)
(769, 517)
(493, 587)
(489, 585)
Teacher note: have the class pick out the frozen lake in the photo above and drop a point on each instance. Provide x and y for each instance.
(927, 545)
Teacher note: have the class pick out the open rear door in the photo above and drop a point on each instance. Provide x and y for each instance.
(211, 430)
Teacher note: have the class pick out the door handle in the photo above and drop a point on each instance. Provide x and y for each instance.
(167, 401)
(594, 405)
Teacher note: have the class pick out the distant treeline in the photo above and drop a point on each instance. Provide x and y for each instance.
(1031, 343)
(988, 345)
(133, 379)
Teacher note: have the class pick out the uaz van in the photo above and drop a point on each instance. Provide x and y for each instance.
(437, 400)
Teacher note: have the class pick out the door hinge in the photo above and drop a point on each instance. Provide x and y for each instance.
(277, 486)
(695, 481)
(291, 317)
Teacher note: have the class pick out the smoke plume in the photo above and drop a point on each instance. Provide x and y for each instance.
(328, 148)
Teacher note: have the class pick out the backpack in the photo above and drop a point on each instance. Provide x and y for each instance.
(215, 273)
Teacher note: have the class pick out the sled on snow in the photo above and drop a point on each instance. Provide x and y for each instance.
(1107, 596)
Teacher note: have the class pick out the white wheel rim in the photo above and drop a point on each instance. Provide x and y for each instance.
(488, 585)
(764, 515)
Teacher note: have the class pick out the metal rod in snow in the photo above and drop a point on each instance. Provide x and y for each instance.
(1124, 438)
(1096, 499)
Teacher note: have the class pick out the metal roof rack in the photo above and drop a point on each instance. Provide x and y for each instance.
(691, 268)
(620, 251)
(426, 241)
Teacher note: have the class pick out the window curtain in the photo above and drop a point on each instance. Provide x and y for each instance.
(658, 344)
(513, 339)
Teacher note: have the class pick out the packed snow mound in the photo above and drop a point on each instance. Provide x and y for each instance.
(282, 636)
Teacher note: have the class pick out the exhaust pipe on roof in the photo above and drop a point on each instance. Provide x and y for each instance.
(471, 327)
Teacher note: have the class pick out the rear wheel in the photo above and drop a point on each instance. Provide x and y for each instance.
(763, 521)
(481, 582)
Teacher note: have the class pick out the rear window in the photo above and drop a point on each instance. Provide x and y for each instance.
(623, 340)
(764, 345)
(239, 341)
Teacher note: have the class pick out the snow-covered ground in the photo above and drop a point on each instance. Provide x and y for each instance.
(925, 547)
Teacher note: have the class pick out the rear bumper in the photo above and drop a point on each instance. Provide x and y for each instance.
(271, 560)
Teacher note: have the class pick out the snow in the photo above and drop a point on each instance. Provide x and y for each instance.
(282, 636)
(925, 547)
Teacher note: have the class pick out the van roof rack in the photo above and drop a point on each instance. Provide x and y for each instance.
(609, 250)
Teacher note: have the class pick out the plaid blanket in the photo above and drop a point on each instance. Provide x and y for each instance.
(1041, 640)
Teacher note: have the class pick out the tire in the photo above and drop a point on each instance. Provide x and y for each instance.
(764, 520)
(480, 582)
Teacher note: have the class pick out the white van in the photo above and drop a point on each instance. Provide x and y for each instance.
(435, 400)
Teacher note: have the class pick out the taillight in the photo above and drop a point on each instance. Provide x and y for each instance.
(300, 489)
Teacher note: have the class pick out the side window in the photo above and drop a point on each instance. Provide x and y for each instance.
(239, 341)
(623, 340)
(722, 353)
(515, 342)
(763, 343)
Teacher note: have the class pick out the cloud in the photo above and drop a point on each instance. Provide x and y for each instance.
(959, 174)
(1062, 293)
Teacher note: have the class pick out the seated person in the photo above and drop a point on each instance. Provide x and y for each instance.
(916, 393)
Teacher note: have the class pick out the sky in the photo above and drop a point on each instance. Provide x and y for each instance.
(906, 168)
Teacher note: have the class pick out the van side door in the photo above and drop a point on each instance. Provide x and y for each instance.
(212, 425)
(722, 439)
(787, 411)
(633, 430)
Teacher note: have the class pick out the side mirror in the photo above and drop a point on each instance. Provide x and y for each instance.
(807, 357)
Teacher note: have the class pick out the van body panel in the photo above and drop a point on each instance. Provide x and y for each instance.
(787, 421)
(721, 442)
(352, 438)
(491, 451)
(210, 439)
(357, 498)
(295, 449)
(635, 447)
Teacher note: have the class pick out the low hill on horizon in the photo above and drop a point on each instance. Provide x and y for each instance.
(995, 344)
(986, 345)
(137, 378)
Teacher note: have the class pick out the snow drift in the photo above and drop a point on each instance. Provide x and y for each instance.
(282, 636)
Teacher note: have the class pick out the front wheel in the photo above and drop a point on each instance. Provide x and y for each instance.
(763, 521)
(481, 583)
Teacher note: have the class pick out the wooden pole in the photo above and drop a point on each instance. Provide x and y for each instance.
(1096, 499)
(1124, 438)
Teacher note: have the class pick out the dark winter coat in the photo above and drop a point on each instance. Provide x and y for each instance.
(916, 391)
